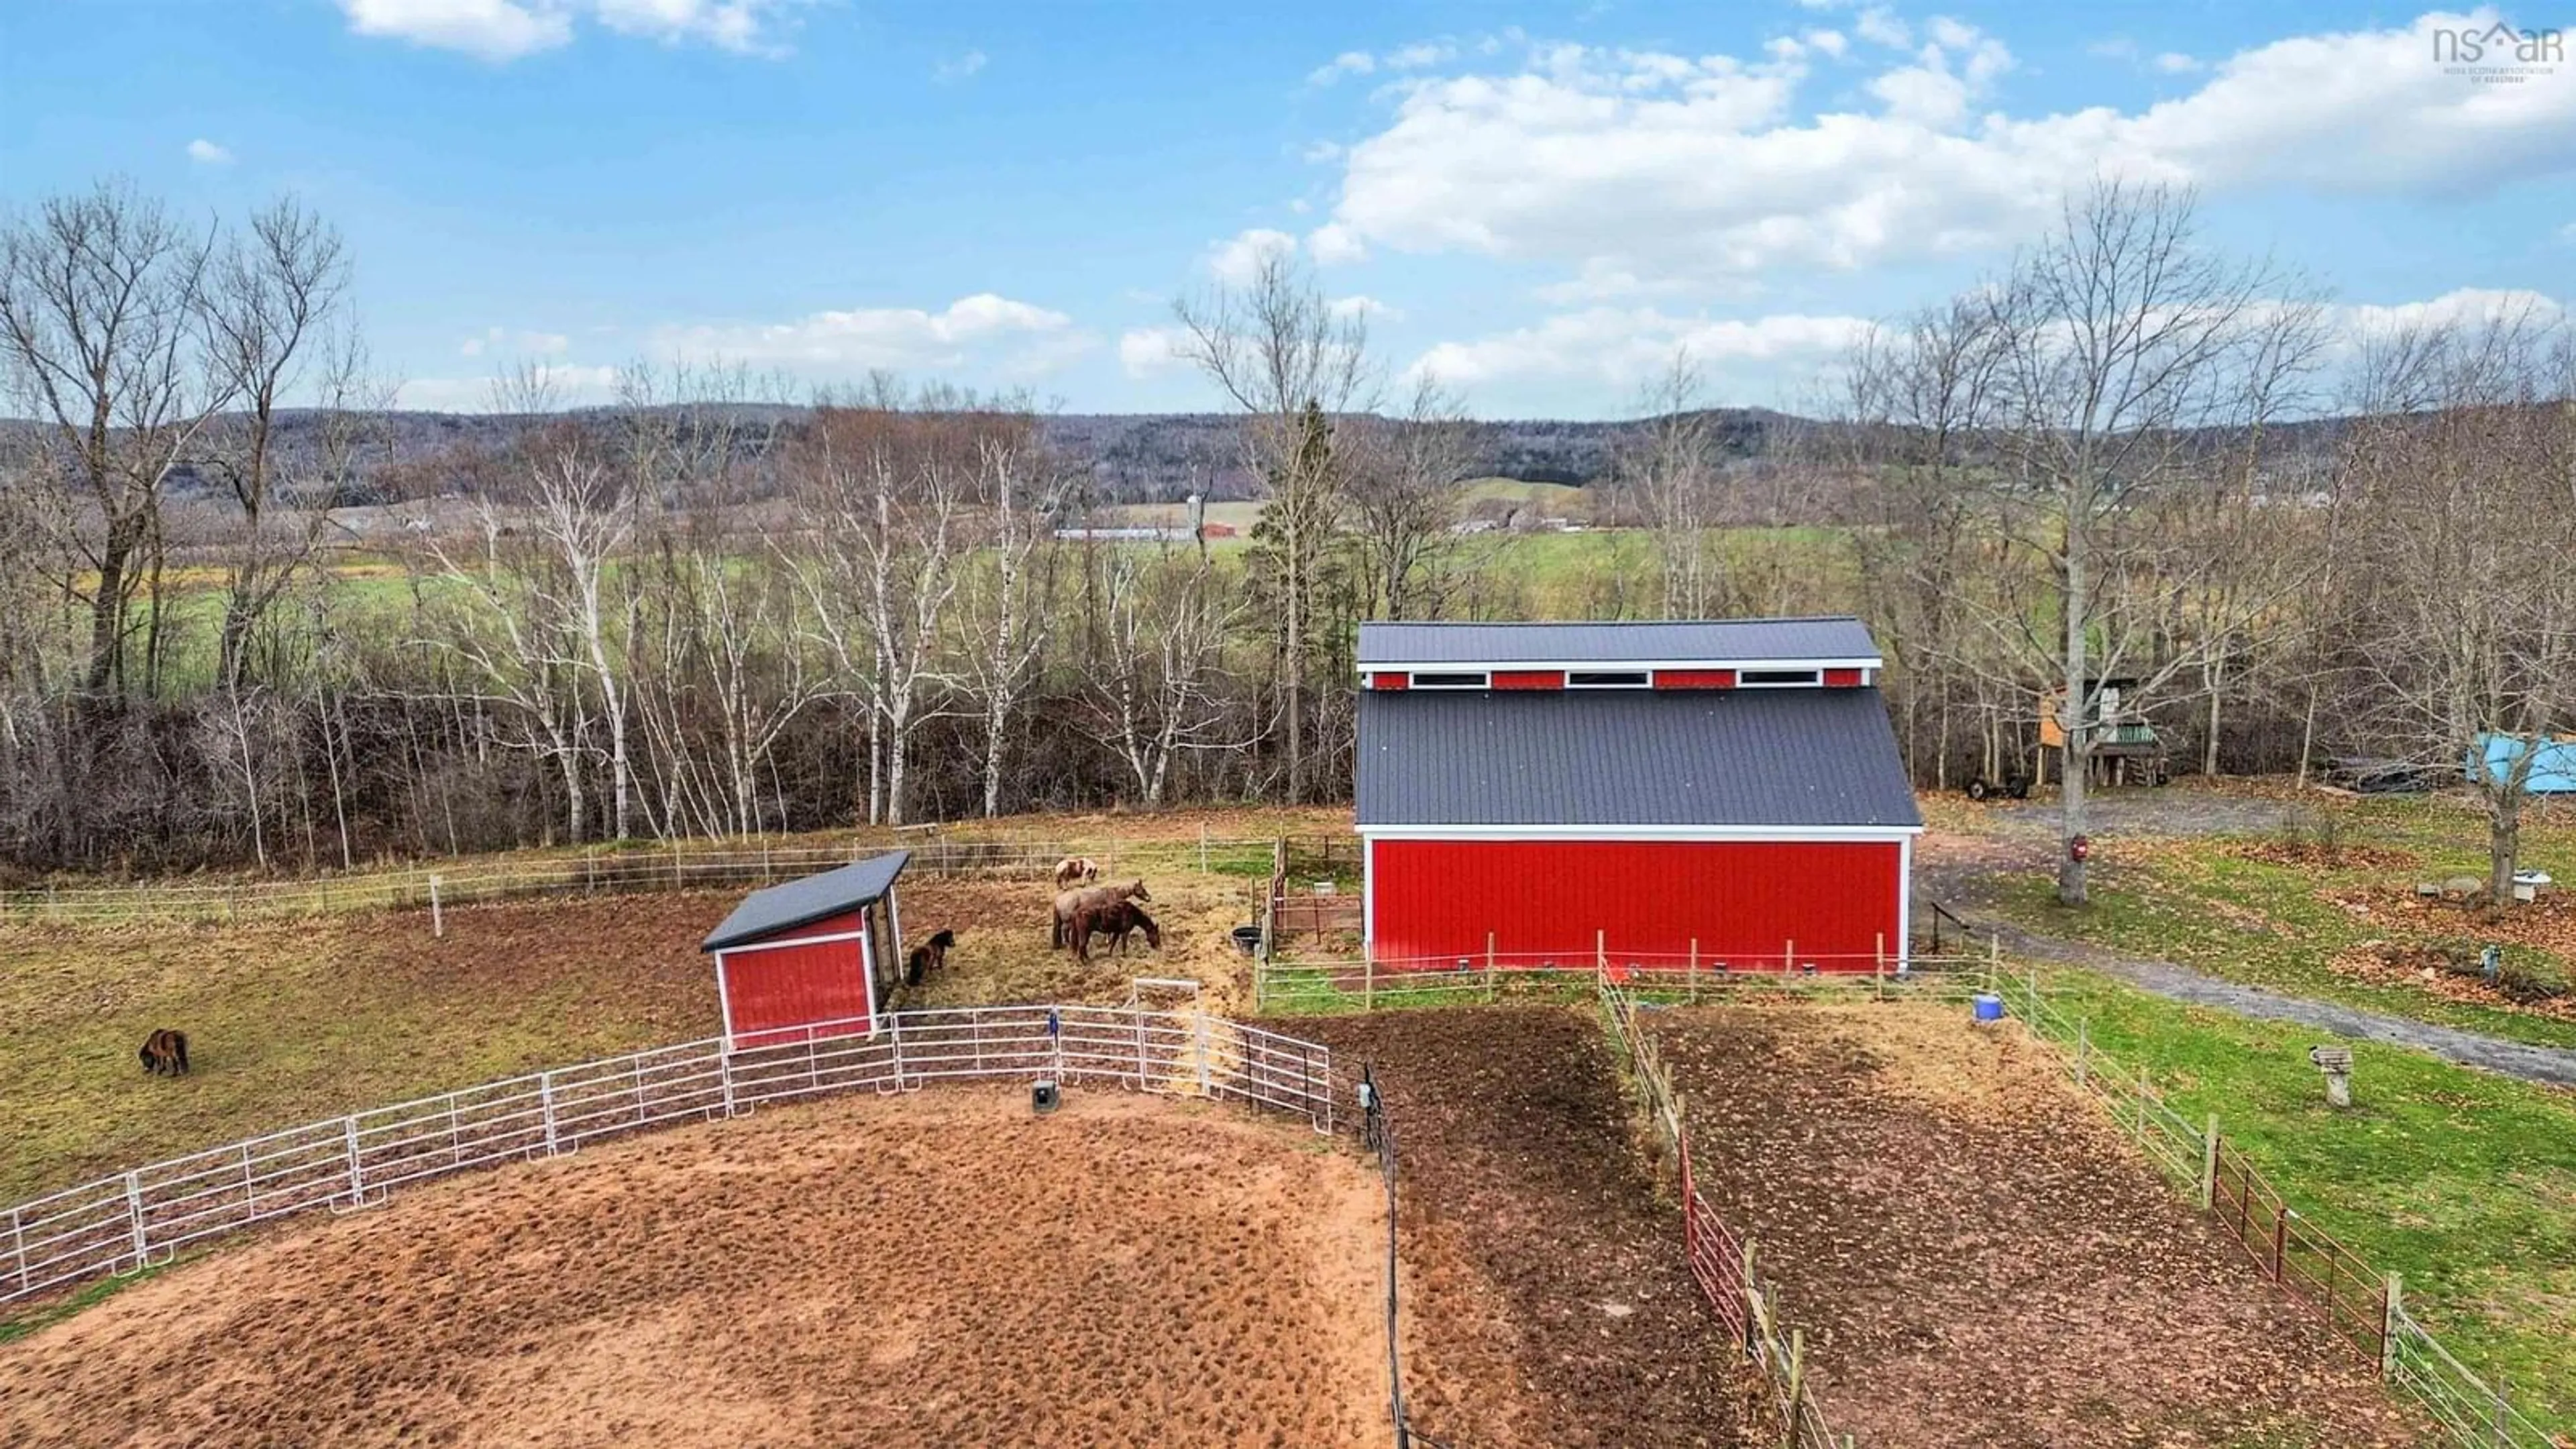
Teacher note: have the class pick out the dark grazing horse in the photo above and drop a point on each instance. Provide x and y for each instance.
(165, 1053)
(927, 957)
(1114, 919)
(1070, 903)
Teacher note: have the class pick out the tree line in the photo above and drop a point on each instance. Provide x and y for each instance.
(693, 616)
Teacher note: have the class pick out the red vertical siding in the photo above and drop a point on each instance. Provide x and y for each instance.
(1743, 901)
(1529, 679)
(1390, 679)
(1694, 679)
(1842, 679)
(770, 990)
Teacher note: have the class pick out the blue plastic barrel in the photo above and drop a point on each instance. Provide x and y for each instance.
(1990, 1007)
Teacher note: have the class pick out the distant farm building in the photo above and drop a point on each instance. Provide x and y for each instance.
(1725, 790)
(813, 957)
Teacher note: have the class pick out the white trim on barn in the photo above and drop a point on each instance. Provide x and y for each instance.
(1641, 832)
(724, 1000)
(868, 972)
(1593, 666)
(1905, 905)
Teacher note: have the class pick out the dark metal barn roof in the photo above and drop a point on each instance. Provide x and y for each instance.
(1713, 640)
(784, 907)
(1784, 757)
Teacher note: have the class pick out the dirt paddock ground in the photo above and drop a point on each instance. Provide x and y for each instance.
(1547, 1303)
(1977, 1258)
(939, 1268)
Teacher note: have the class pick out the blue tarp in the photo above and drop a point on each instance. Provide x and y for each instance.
(2553, 773)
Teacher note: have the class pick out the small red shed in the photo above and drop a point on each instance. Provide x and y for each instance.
(1725, 790)
(813, 957)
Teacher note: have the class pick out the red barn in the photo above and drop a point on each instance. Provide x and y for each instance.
(827, 949)
(1724, 788)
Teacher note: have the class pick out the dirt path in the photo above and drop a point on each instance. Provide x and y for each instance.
(1977, 1259)
(930, 1269)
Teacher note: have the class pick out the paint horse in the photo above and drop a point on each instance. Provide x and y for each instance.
(165, 1053)
(929, 956)
(1114, 920)
(1069, 903)
(1076, 868)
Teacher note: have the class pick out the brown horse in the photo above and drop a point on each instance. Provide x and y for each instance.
(1069, 902)
(165, 1053)
(927, 957)
(1076, 868)
(1114, 920)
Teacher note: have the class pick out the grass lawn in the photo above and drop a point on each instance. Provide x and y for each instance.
(2217, 904)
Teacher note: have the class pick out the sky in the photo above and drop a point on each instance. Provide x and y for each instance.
(1539, 204)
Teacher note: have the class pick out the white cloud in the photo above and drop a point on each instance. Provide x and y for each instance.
(1659, 169)
(207, 153)
(984, 330)
(502, 341)
(1827, 42)
(1238, 260)
(960, 68)
(1367, 307)
(1623, 347)
(505, 30)
(2174, 62)
(1879, 26)
(1334, 244)
(1349, 62)
(1420, 54)
(2567, 233)
(1153, 351)
(2468, 306)
(2117, 47)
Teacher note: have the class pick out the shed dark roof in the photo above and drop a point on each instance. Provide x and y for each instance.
(1714, 640)
(1787, 757)
(777, 908)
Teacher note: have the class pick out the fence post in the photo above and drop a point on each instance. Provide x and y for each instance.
(2280, 1236)
(134, 1210)
(357, 1175)
(1139, 1013)
(546, 1106)
(18, 1245)
(1601, 954)
(437, 916)
(1199, 1030)
(1203, 848)
(2391, 1298)
(1879, 966)
(1797, 1385)
(1994, 959)
(1368, 976)
(896, 1030)
(1690, 978)
(2209, 1165)
(1490, 984)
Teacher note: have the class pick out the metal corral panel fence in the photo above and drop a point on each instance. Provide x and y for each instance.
(605, 871)
(1299, 983)
(136, 1218)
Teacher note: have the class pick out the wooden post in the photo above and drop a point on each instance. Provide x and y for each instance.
(1203, 848)
(2209, 1165)
(1797, 1385)
(1368, 978)
(1601, 954)
(2389, 1312)
(1691, 981)
(1994, 960)
(1789, 957)
(1489, 966)
(1880, 966)
(437, 917)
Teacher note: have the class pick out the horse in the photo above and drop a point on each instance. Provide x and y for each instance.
(1076, 867)
(929, 956)
(1069, 902)
(1114, 920)
(165, 1053)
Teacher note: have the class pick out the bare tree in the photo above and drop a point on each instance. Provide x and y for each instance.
(1296, 368)
(2465, 467)
(1156, 693)
(1404, 504)
(102, 330)
(2120, 340)
(1019, 491)
(275, 296)
(1667, 476)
